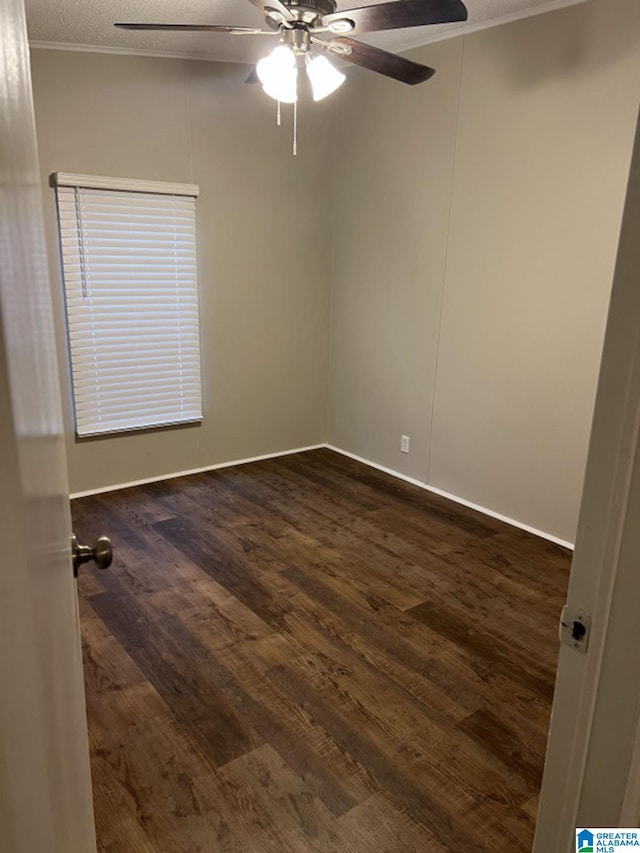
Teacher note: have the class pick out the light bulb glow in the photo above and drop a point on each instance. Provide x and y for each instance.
(324, 77)
(279, 75)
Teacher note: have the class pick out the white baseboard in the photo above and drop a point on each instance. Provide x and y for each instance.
(368, 462)
(541, 533)
(176, 474)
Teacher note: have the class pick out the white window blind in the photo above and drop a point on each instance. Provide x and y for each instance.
(131, 288)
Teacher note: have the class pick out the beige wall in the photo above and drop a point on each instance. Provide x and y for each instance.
(263, 231)
(467, 230)
(476, 231)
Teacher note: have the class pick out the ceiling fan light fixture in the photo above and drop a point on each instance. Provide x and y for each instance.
(279, 75)
(325, 78)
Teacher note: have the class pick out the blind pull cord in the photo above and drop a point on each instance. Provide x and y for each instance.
(83, 268)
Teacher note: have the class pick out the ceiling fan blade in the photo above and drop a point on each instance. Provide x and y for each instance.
(375, 59)
(399, 14)
(197, 28)
(275, 5)
(253, 77)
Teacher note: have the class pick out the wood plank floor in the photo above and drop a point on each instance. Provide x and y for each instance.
(307, 655)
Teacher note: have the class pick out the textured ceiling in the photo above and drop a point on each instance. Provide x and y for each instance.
(89, 23)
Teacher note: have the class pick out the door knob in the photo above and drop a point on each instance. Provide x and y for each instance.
(101, 553)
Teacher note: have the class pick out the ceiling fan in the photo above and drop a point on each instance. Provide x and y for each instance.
(303, 24)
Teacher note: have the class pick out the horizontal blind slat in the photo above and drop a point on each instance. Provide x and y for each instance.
(112, 374)
(143, 399)
(99, 382)
(105, 414)
(95, 428)
(123, 318)
(122, 347)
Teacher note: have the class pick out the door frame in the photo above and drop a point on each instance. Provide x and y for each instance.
(592, 770)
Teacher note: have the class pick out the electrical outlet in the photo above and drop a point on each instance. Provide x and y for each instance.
(404, 443)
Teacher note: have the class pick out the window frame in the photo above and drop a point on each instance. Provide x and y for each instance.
(67, 180)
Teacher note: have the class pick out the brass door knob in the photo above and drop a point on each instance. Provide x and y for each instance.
(101, 553)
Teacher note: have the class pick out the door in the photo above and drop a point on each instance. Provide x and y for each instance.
(593, 760)
(45, 790)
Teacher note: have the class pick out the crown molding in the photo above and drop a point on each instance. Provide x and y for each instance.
(129, 51)
(465, 29)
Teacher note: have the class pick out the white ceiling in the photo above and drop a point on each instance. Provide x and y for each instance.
(89, 24)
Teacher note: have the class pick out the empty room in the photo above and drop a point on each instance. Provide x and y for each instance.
(310, 374)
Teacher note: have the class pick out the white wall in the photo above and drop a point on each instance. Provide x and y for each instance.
(476, 225)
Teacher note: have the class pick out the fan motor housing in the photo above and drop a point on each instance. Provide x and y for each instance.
(298, 38)
(318, 7)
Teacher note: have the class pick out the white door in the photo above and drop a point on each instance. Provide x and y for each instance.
(592, 773)
(45, 788)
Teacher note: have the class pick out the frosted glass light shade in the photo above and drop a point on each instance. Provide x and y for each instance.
(279, 75)
(324, 77)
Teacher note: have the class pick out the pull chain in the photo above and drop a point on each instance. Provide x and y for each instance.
(278, 116)
(295, 128)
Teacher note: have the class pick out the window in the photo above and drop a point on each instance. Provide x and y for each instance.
(131, 290)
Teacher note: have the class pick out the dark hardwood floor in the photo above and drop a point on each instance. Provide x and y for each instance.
(308, 655)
